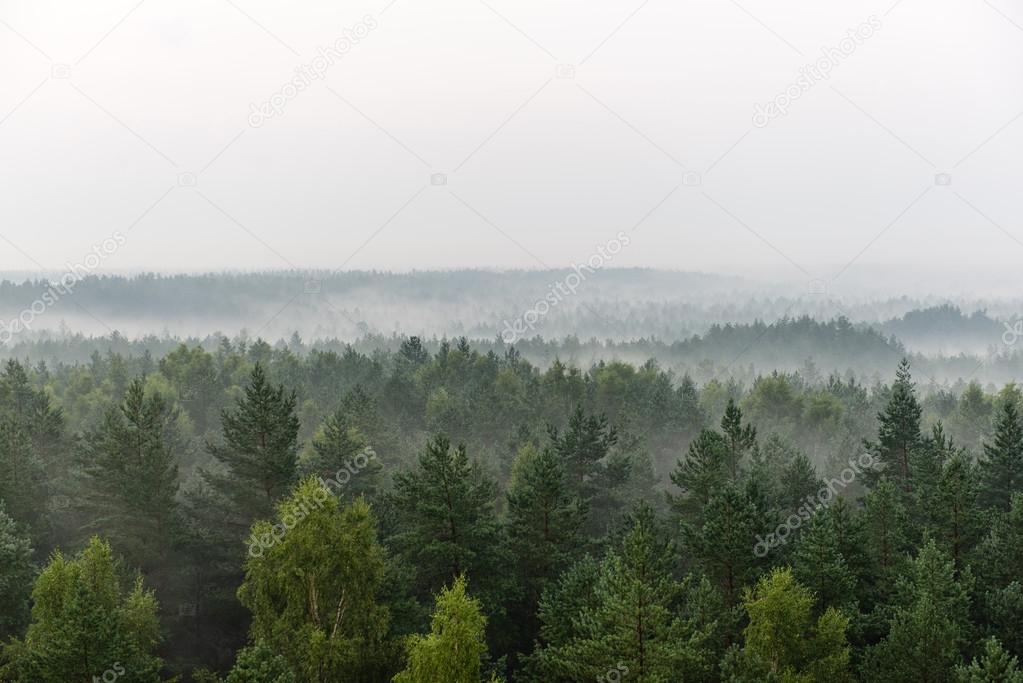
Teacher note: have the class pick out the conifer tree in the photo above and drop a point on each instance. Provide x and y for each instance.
(544, 530)
(130, 470)
(1002, 465)
(995, 665)
(258, 452)
(929, 625)
(342, 455)
(724, 546)
(16, 574)
(740, 438)
(633, 623)
(952, 510)
(445, 522)
(699, 474)
(899, 430)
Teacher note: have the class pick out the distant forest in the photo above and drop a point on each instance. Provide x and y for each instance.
(621, 305)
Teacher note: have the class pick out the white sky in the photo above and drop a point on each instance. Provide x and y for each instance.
(539, 168)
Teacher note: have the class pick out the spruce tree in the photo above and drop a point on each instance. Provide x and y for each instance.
(995, 665)
(929, 625)
(445, 524)
(899, 430)
(1002, 465)
(699, 475)
(544, 531)
(258, 453)
(740, 438)
(130, 470)
(16, 574)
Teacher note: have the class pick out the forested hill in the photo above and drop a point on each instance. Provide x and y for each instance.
(616, 304)
(729, 351)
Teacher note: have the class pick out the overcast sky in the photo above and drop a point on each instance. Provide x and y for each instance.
(554, 125)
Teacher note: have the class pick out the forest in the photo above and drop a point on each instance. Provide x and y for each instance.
(448, 510)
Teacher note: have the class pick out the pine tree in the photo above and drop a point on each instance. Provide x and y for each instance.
(561, 605)
(929, 625)
(1002, 465)
(455, 648)
(130, 470)
(899, 430)
(445, 521)
(819, 565)
(312, 583)
(582, 449)
(341, 455)
(702, 472)
(259, 450)
(632, 624)
(544, 531)
(724, 547)
(994, 666)
(84, 625)
(886, 521)
(740, 438)
(952, 510)
(16, 574)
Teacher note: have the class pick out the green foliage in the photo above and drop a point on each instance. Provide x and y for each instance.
(16, 574)
(455, 648)
(313, 592)
(445, 519)
(259, 449)
(130, 472)
(783, 642)
(84, 623)
(994, 666)
(632, 620)
(1002, 465)
(929, 626)
(899, 430)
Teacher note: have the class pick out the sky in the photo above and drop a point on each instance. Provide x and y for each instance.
(819, 142)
